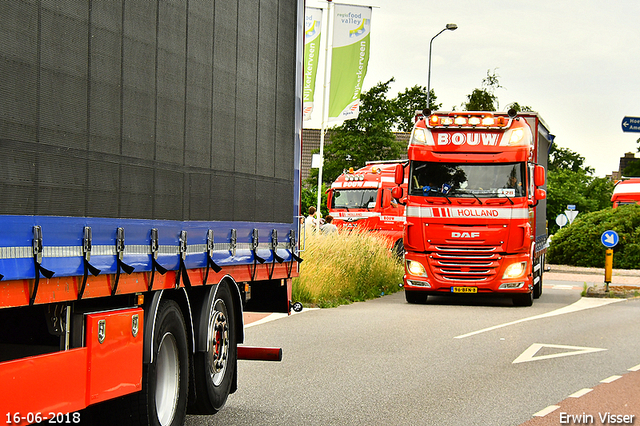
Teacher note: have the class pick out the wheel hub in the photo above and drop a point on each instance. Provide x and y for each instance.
(219, 347)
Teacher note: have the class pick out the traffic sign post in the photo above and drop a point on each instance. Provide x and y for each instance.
(561, 220)
(571, 215)
(631, 124)
(609, 239)
(608, 267)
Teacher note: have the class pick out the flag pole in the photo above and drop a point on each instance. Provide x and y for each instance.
(325, 100)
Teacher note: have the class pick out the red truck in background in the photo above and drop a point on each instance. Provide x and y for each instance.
(626, 192)
(475, 205)
(362, 199)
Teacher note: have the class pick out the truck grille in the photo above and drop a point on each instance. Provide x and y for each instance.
(465, 263)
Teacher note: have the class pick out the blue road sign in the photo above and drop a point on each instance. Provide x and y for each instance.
(631, 124)
(609, 239)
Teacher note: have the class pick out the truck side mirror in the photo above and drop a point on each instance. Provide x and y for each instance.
(539, 176)
(399, 175)
(541, 194)
(396, 192)
(329, 197)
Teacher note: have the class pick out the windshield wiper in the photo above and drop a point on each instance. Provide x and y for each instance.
(476, 197)
(508, 198)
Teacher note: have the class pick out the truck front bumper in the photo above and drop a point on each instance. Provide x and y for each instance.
(421, 275)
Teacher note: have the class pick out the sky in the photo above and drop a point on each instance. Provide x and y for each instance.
(575, 62)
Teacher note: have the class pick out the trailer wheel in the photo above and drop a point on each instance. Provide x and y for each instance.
(419, 297)
(215, 368)
(166, 379)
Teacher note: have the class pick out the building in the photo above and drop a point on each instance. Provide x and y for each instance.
(624, 162)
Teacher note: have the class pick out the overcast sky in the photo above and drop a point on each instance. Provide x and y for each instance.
(576, 62)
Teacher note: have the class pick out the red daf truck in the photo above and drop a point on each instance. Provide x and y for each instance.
(475, 206)
(362, 199)
(626, 192)
(150, 186)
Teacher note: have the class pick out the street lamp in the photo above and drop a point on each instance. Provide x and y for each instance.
(450, 27)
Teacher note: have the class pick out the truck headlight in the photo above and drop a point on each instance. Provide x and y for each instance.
(519, 136)
(515, 270)
(419, 136)
(416, 268)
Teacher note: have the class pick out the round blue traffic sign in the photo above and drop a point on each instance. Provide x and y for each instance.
(609, 239)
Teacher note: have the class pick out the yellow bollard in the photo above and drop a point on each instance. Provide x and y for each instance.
(608, 267)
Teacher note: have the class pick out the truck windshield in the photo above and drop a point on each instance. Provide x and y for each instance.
(467, 180)
(354, 198)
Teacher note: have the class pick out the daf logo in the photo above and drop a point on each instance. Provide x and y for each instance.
(465, 234)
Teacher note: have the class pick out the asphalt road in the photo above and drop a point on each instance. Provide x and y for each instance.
(449, 362)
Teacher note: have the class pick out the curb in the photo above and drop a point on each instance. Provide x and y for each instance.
(593, 276)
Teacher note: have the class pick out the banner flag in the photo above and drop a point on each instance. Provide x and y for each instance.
(312, 39)
(349, 60)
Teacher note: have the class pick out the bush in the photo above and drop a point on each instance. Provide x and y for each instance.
(579, 244)
(346, 267)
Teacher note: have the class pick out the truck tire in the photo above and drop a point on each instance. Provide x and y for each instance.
(216, 367)
(419, 297)
(398, 250)
(525, 299)
(165, 381)
(537, 288)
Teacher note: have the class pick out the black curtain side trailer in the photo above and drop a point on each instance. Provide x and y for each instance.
(150, 178)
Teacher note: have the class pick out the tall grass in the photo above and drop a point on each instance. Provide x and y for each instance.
(346, 267)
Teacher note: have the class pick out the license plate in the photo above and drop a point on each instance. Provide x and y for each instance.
(464, 289)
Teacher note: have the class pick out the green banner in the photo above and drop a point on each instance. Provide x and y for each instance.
(312, 39)
(349, 60)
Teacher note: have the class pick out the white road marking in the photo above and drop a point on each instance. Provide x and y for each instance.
(275, 316)
(610, 379)
(583, 303)
(529, 354)
(636, 368)
(549, 409)
(580, 393)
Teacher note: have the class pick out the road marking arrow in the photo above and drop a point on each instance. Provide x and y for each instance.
(529, 354)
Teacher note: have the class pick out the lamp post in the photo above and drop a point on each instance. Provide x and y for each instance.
(450, 27)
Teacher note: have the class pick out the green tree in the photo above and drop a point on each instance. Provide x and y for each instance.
(309, 197)
(484, 99)
(579, 244)
(368, 137)
(565, 159)
(410, 101)
(569, 181)
(521, 108)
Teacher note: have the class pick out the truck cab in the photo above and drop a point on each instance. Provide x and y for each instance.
(476, 212)
(626, 192)
(362, 199)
